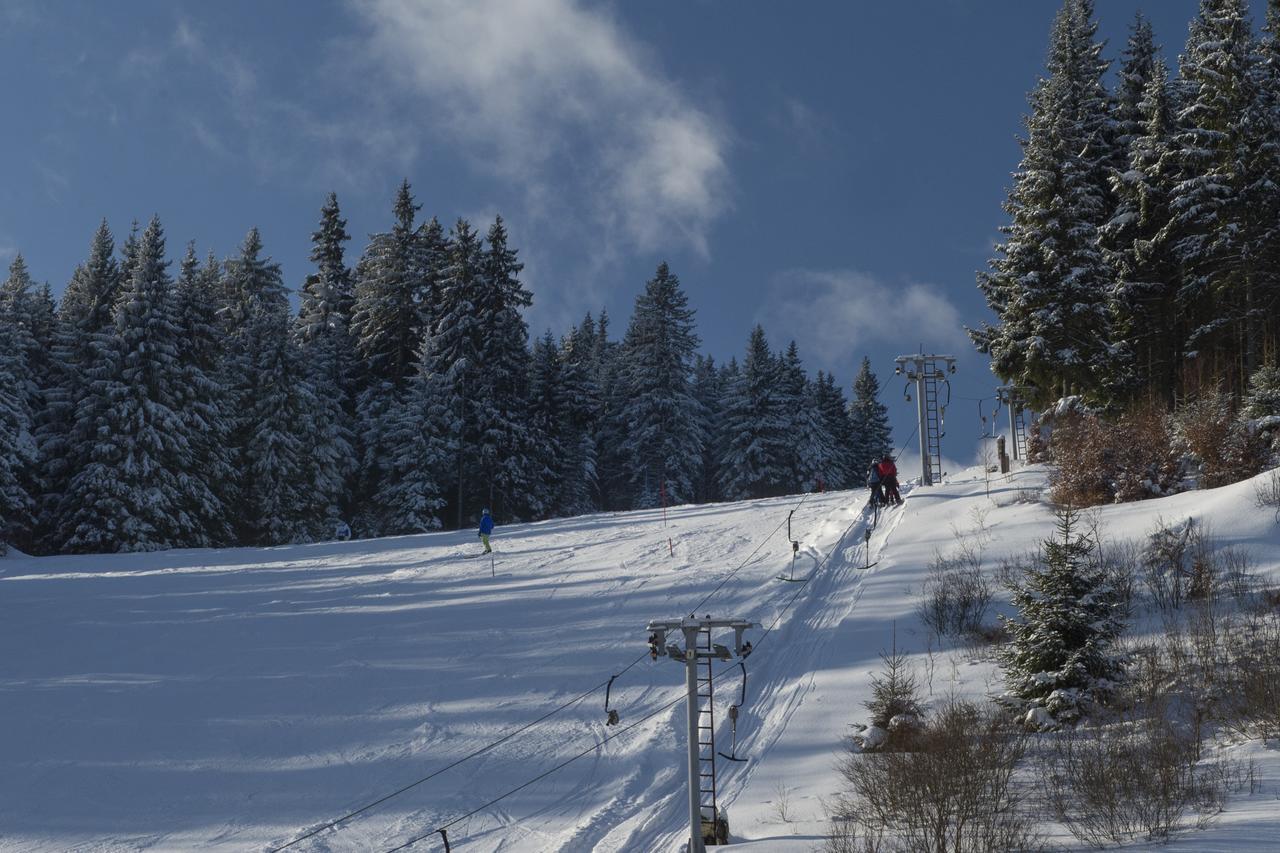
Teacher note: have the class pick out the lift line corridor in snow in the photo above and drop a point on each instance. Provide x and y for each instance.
(706, 796)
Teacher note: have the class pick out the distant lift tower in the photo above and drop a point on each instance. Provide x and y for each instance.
(705, 820)
(1015, 398)
(928, 372)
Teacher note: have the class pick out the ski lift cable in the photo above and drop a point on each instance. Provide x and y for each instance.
(606, 684)
(763, 542)
(473, 754)
(593, 748)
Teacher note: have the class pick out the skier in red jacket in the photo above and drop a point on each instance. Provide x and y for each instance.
(889, 480)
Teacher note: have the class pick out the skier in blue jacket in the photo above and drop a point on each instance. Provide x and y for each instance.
(873, 481)
(486, 527)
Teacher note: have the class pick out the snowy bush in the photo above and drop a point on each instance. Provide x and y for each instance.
(955, 597)
(1098, 461)
(1092, 787)
(1060, 655)
(1143, 463)
(1225, 449)
(1183, 562)
(895, 704)
(1267, 493)
(954, 791)
(1262, 400)
(1078, 453)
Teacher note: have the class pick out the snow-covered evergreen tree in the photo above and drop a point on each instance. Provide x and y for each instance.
(387, 315)
(757, 421)
(29, 371)
(328, 353)
(563, 408)
(206, 405)
(20, 310)
(611, 452)
(387, 326)
(812, 455)
(1137, 69)
(454, 350)
(1262, 294)
(1049, 286)
(504, 445)
(277, 402)
(272, 399)
(1224, 207)
(1262, 399)
(18, 452)
(1061, 654)
(833, 409)
(709, 391)
(84, 342)
(129, 254)
(139, 488)
(1137, 246)
(249, 282)
(664, 423)
(420, 434)
(548, 419)
(869, 419)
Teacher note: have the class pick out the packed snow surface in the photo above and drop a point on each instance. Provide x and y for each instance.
(237, 699)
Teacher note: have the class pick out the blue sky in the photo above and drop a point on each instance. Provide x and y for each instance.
(832, 170)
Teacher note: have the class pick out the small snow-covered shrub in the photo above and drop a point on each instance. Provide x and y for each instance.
(1262, 399)
(1078, 453)
(895, 703)
(1267, 493)
(955, 597)
(953, 792)
(1038, 440)
(1061, 653)
(1184, 562)
(1251, 695)
(1112, 783)
(1140, 457)
(1226, 449)
(1166, 564)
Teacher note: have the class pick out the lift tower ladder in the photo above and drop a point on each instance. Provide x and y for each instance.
(932, 423)
(706, 731)
(1015, 397)
(929, 373)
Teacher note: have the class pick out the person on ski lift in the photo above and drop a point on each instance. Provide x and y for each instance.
(889, 480)
(873, 481)
(486, 527)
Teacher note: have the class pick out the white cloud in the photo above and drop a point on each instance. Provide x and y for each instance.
(555, 98)
(841, 315)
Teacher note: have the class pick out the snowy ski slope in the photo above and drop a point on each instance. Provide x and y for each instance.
(237, 699)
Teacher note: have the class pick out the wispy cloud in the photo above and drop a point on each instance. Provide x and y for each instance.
(841, 315)
(555, 96)
(56, 182)
(279, 136)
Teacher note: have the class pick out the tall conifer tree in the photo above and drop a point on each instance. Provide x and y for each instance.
(665, 430)
(1048, 288)
(870, 420)
(139, 490)
(757, 421)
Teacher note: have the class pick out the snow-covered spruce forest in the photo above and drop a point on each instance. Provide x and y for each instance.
(149, 411)
(1142, 254)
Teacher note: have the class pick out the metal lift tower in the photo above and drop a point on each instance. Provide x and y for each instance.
(928, 372)
(1015, 398)
(697, 656)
